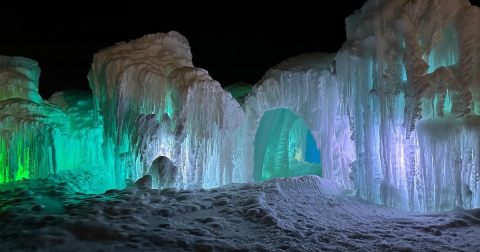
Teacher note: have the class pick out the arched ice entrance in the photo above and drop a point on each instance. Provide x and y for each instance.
(284, 147)
(163, 173)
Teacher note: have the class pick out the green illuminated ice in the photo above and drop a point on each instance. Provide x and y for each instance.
(39, 137)
(281, 147)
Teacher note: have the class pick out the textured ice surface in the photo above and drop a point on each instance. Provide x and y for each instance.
(26, 134)
(40, 137)
(393, 116)
(239, 91)
(155, 103)
(281, 147)
(293, 214)
(19, 78)
(81, 136)
(305, 86)
(408, 80)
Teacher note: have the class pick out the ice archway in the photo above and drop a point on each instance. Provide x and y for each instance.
(305, 86)
(284, 147)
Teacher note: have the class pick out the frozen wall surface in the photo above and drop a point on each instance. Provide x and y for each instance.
(282, 147)
(79, 136)
(19, 78)
(409, 79)
(26, 134)
(306, 87)
(394, 116)
(38, 137)
(239, 91)
(155, 103)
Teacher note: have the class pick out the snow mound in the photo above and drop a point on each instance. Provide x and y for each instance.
(279, 215)
(308, 185)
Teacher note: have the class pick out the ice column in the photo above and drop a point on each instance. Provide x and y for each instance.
(155, 103)
(26, 134)
(408, 76)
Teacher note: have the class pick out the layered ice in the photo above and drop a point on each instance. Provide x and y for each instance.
(304, 87)
(408, 77)
(393, 117)
(81, 136)
(155, 103)
(40, 137)
(26, 134)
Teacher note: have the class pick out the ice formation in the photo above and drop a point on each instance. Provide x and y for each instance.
(306, 87)
(81, 136)
(155, 103)
(393, 116)
(40, 137)
(26, 135)
(408, 76)
(284, 147)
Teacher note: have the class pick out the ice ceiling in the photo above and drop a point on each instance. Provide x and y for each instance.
(393, 116)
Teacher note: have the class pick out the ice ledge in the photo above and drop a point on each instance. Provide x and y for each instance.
(17, 61)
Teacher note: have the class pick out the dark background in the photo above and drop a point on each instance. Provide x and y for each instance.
(233, 40)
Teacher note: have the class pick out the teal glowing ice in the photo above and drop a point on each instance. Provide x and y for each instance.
(284, 147)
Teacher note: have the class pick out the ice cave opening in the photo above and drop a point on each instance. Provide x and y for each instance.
(284, 147)
(163, 173)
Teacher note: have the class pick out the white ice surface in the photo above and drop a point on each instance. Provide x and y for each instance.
(294, 214)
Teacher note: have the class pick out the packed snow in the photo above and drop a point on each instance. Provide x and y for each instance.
(293, 214)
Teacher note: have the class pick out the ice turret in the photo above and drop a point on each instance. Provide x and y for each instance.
(155, 103)
(26, 134)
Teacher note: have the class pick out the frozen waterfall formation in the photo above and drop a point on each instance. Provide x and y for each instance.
(40, 137)
(155, 103)
(409, 79)
(394, 116)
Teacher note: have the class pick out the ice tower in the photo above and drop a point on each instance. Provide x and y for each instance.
(26, 135)
(409, 76)
(39, 137)
(155, 103)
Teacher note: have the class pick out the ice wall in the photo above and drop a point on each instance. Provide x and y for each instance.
(239, 91)
(80, 137)
(409, 76)
(281, 147)
(155, 103)
(26, 134)
(306, 85)
(40, 137)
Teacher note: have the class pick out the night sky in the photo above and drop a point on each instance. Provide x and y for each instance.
(233, 40)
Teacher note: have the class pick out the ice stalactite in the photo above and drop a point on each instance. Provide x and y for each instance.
(409, 65)
(306, 88)
(40, 137)
(281, 147)
(80, 136)
(155, 103)
(26, 134)
(393, 116)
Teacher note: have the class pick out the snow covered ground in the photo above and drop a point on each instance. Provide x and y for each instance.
(294, 214)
